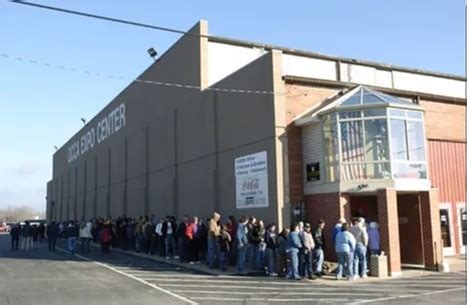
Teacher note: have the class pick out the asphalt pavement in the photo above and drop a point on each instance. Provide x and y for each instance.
(43, 277)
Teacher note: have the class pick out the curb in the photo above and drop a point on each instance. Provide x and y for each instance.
(215, 272)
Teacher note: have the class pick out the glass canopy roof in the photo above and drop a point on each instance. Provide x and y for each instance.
(365, 96)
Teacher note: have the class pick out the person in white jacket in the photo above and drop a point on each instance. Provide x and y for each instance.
(85, 236)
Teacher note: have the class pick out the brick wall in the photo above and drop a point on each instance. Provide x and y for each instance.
(300, 98)
(389, 228)
(329, 207)
(431, 228)
(295, 157)
(444, 121)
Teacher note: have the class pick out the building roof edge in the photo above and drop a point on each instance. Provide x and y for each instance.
(317, 55)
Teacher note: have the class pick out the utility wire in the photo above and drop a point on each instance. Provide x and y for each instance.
(132, 23)
(138, 80)
(111, 19)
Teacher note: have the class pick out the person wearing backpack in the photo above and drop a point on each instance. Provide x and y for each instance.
(105, 238)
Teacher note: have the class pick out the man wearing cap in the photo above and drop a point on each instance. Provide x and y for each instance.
(307, 252)
(338, 228)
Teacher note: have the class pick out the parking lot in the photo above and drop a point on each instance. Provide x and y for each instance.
(42, 277)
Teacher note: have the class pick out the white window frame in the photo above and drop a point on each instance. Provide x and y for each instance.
(459, 206)
(449, 251)
(407, 140)
(392, 162)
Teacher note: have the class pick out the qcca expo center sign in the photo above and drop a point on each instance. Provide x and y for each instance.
(109, 125)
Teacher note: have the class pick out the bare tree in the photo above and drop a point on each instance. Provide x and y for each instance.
(15, 214)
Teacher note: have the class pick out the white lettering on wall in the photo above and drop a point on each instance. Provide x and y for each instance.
(109, 125)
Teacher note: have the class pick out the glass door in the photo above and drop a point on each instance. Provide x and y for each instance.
(462, 214)
(446, 230)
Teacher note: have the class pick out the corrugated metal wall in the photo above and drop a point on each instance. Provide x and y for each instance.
(447, 169)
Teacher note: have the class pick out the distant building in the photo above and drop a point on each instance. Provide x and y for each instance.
(280, 134)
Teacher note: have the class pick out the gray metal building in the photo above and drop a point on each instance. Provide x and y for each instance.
(171, 150)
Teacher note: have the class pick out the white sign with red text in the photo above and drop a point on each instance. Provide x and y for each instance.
(251, 178)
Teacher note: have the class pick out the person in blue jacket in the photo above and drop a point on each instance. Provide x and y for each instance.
(337, 228)
(292, 248)
(345, 247)
(242, 244)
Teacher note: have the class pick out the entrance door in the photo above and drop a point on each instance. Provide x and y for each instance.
(462, 214)
(410, 229)
(445, 214)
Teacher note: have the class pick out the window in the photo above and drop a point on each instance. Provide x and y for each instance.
(372, 135)
(397, 113)
(415, 114)
(376, 140)
(374, 112)
(409, 170)
(398, 140)
(416, 141)
(408, 145)
(352, 141)
(349, 115)
(331, 149)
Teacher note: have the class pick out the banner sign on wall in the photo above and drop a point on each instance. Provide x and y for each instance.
(251, 178)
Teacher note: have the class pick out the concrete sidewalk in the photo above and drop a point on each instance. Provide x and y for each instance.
(458, 265)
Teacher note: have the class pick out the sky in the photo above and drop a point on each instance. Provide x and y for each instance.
(41, 107)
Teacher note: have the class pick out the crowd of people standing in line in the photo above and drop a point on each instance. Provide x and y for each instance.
(248, 244)
(24, 236)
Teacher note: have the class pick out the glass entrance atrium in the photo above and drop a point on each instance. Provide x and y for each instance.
(372, 135)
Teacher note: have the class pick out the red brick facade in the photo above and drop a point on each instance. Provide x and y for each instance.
(431, 229)
(296, 171)
(447, 173)
(424, 205)
(329, 207)
(389, 228)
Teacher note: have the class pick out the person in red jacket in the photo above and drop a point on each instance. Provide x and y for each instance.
(106, 237)
(187, 239)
